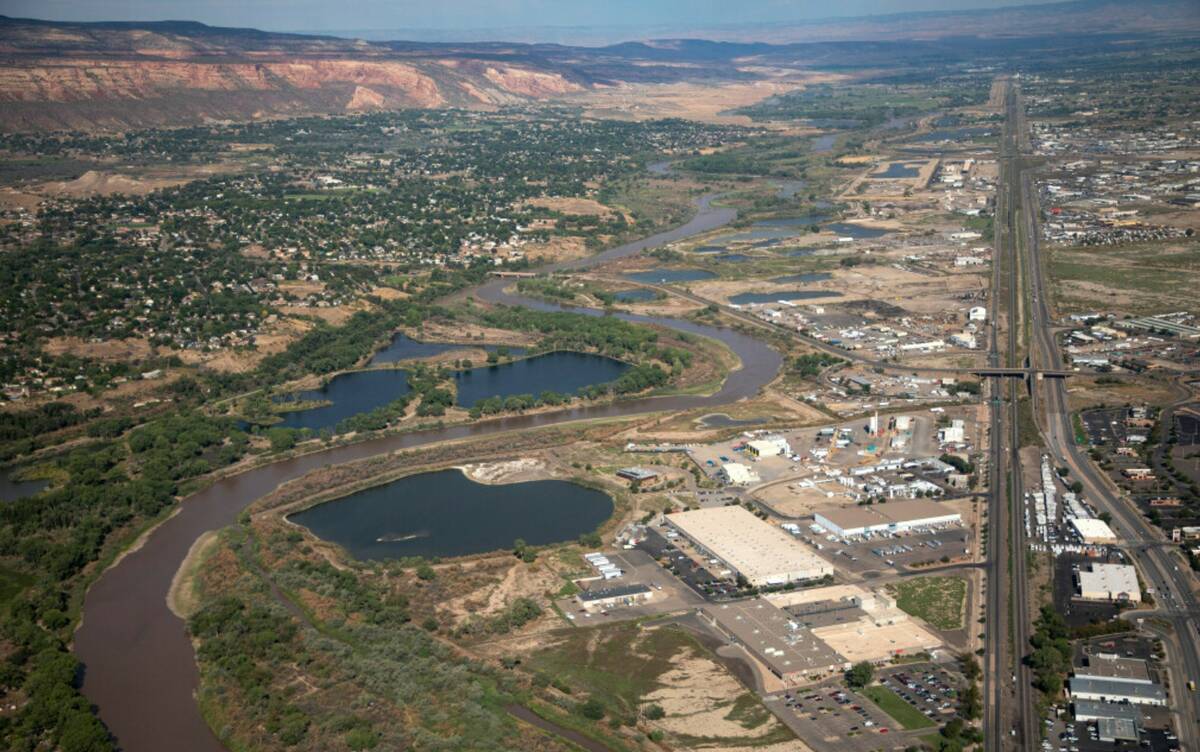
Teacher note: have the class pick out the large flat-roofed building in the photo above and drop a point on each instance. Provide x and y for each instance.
(1093, 531)
(1115, 668)
(1109, 582)
(759, 552)
(788, 649)
(1094, 710)
(1109, 690)
(894, 517)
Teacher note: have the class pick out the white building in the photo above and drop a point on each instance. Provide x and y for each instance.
(1109, 582)
(758, 551)
(978, 313)
(964, 340)
(1092, 531)
(738, 474)
(955, 433)
(772, 446)
(893, 517)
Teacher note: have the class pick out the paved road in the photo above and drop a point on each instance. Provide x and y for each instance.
(1161, 567)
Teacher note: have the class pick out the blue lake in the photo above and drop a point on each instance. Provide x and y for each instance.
(563, 372)
(447, 514)
(350, 393)
(403, 347)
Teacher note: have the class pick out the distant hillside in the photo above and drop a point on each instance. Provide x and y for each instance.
(114, 76)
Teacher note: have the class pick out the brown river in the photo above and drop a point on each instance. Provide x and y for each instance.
(140, 670)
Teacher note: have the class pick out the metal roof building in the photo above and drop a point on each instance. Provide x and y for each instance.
(761, 553)
(894, 516)
(1111, 690)
(770, 634)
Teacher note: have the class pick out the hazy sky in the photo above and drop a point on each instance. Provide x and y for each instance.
(366, 15)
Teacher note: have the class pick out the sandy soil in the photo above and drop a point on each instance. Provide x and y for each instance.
(558, 249)
(114, 349)
(104, 183)
(693, 101)
(508, 471)
(579, 206)
(696, 696)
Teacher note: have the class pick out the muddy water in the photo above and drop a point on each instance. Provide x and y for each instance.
(140, 669)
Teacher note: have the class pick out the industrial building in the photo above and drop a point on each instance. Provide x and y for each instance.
(738, 474)
(1092, 531)
(1109, 582)
(639, 474)
(788, 649)
(759, 552)
(1093, 710)
(622, 595)
(893, 517)
(772, 446)
(1115, 690)
(1115, 668)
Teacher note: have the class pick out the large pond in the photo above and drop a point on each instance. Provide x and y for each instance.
(635, 295)
(666, 276)
(363, 391)
(563, 372)
(349, 394)
(403, 347)
(771, 297)
(447, 514)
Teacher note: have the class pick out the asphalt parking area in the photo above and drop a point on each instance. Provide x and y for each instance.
(831, 717)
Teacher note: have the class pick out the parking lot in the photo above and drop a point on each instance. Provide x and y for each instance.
(1105, 426)
(931, 690)
(832, 717)
(684, 565)
(639, 568)
(1082, 737)
(893, 552)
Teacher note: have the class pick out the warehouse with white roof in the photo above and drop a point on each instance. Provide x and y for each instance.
(894, 517)
(760, 552)
(1109, 582)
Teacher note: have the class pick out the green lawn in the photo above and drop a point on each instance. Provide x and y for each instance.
(892, 704)
(937, 600)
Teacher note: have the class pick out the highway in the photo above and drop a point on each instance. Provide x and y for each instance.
(1161, 567)
(1009, 717)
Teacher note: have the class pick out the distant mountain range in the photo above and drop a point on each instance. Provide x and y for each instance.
(114, 75)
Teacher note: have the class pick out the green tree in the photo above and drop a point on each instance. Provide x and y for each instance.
(860, 674)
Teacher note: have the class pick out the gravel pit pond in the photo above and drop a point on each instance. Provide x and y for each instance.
(445, 513)
(350, 394)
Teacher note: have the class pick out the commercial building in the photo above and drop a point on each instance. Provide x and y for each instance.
(772, 446)
(1112, 730)
(1093, 710)
(1115, 668)
(1114, 690)
(1092, 531)
(893, 517)
(755, 550)
(639, 474)
(788, 649)
(623, 595)
(1109, 582)
(738, 474)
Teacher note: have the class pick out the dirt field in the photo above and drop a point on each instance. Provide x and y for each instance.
(1135, 279)
(104, 183)
(693, 101)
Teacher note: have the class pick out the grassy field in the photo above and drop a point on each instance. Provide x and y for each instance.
(627, 668)
(937, 600)
(892, 704)
(1139, 279)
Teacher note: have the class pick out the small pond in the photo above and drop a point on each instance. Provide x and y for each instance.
(771, 297)
(445, 513)
(667, 276)
(11, 490)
